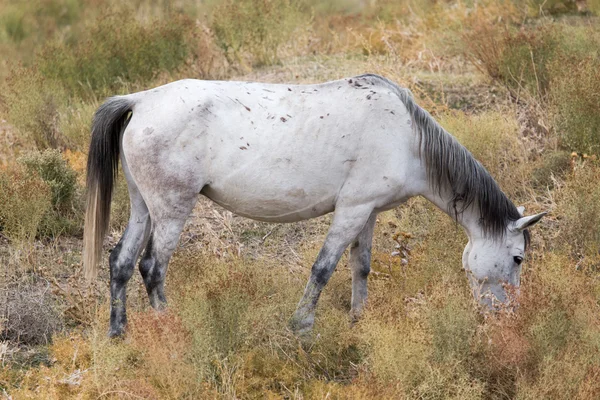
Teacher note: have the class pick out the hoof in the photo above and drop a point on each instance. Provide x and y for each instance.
(301, 326)
(116, 332)
(158, 302)
(355, 316)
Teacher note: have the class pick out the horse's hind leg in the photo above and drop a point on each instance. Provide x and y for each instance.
(167, 223)
(347, 223)
(360, 264)
(124, 256)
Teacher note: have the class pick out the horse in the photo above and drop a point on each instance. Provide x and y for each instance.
(284, 153)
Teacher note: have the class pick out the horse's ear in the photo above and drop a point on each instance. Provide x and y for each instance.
(526, 222)
(521, 210)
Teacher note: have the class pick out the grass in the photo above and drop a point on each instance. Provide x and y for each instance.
(514, 82)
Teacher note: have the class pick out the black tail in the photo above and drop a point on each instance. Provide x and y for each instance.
(103, 163)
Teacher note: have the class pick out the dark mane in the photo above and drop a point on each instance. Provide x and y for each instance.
(451, 167)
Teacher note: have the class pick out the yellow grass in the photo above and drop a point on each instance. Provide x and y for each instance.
(233, 283)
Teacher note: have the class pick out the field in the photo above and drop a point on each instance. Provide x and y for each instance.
(516, 82)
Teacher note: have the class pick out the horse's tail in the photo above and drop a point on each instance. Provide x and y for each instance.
(110, 120)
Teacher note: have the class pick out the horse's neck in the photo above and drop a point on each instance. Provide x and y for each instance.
(469, 218)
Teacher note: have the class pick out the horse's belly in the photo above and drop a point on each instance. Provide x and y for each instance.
(267, 203)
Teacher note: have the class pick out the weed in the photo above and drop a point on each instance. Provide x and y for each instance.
(33, 104)
(53, 169)
(117, 50)
(578, 203)
(253, 29)
(24, 201)
(553, 165)
(575, 97)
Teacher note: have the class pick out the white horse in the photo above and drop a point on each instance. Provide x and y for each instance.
(285, 153)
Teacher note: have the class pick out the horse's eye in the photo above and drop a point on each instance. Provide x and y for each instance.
(518, 259)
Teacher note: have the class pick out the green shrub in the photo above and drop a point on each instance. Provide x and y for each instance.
(75, 124)
(13, 23)
(519, 59)
(66, 212)
(453, 327)
(578, 204)
(33, 104)
(552, 6)
(24, 201)
(552, 164)
(116, 51)
(56, 172)
(525, 60)
(575, 101)
(254, 29)
(556, 65)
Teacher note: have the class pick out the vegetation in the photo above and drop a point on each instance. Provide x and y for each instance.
(515, 81)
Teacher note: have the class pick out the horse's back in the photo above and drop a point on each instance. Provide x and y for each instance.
(267, 151)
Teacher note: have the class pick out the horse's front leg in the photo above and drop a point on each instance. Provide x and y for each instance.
(347, 223)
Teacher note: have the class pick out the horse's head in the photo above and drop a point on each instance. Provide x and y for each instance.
(493, 264)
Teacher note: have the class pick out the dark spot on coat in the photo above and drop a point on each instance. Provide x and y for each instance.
(289, 90)
(148, 131)
(392, 112)
(368, 97)
(245, 106)
(321, 117)
(243, 148)
(283, 119)
(385, 178)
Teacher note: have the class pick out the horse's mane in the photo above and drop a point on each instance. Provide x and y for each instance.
(451, 167)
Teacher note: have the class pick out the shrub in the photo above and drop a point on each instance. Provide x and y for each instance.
(578, 204)
(24, 201)
(453, 327)
(75, 125)
(116, 51)
(554, 64)
(518, 59)
(56, 172)
(253, 29)
(575, 98)
(66, 211)
(13, 24)
(33, 105)
(552, 164)
(30, 313)
(552, 6)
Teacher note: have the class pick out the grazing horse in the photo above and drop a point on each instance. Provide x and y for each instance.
(285, 153)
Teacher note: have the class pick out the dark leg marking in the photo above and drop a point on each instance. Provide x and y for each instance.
(346, 225)
(153, 276)
(360, 264)
(122, 261)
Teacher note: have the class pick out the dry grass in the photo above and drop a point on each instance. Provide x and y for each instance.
(515, 87)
